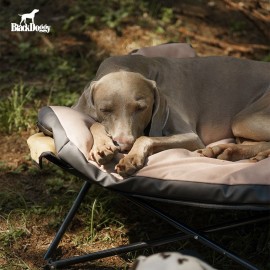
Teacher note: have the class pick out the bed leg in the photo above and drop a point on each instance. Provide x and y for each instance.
(73, 210)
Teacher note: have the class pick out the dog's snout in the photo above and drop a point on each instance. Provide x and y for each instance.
(124, 142)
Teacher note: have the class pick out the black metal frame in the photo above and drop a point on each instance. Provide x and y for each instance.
(185, 232)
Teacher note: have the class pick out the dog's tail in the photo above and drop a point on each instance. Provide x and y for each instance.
(19, 14)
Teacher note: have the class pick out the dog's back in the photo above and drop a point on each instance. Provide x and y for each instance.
(205, 92)
(214, 77)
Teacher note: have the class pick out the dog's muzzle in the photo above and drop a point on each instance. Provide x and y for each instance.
(123, 147)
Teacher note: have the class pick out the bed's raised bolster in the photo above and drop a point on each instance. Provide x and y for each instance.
(39, 144)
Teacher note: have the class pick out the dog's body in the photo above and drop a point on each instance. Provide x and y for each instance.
(179, 103)
(169, 50)
(28, 16)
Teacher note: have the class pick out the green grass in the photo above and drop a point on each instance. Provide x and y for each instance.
(115, 14)
(14, 113)
(101, 216)
(19, 212)
(16, 223)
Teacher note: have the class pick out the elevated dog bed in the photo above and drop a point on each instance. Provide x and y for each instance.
(177, 176)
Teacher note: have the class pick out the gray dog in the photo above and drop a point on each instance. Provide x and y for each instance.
(146, 105)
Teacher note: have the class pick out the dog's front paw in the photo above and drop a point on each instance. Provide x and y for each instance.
(103, 151)
(129, 165)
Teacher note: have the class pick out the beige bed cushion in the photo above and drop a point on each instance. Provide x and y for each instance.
(170, 164)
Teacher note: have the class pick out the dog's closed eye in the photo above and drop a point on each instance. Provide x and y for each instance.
(140, 105)
(106, 110)
(140, 108)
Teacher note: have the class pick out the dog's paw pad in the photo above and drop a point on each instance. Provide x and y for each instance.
(129, 165)
(261, 156)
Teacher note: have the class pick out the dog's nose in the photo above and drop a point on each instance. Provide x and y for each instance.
(125, 143)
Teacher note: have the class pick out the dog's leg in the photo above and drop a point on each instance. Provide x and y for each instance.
(146, 146)
(234, 152)
(103, 149)
(253, 123)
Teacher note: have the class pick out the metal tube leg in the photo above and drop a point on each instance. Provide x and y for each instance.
(150, 243)
(73, 210)
(197, 235)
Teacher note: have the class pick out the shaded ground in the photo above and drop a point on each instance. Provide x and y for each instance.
(56, 67)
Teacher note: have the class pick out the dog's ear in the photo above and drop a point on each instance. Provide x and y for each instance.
(160, 111)
(153, 83)
(156, 95)
(89, 93)
(85, 103)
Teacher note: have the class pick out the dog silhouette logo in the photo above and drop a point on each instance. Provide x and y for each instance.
(27, 24)
(28, 16)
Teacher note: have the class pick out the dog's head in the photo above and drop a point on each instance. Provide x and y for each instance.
(123, 103)
(35, 10)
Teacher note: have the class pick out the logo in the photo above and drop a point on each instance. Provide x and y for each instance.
(31, 27)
